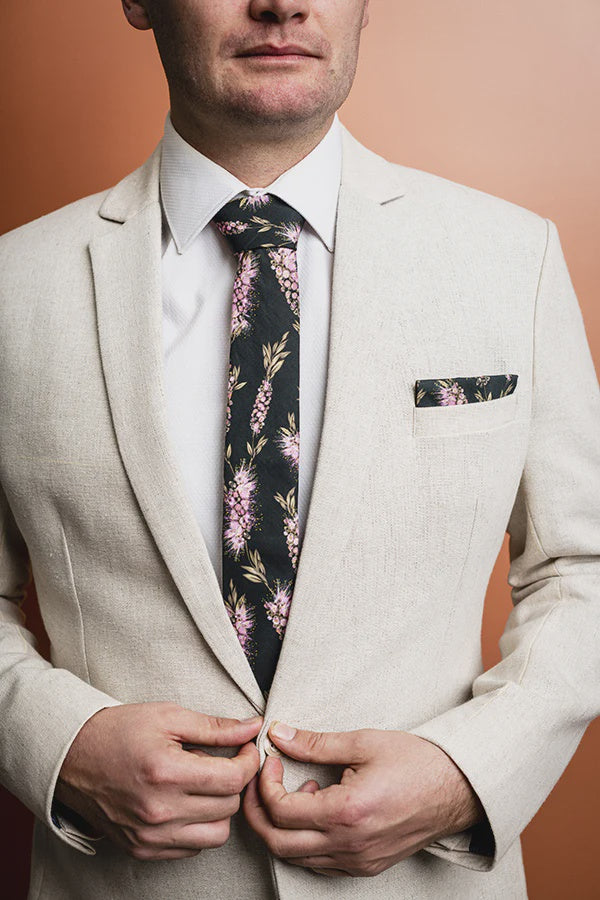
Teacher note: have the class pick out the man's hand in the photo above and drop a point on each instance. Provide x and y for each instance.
(398, 793)
(128, 775)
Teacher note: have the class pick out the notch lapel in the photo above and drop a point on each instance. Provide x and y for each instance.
(358, 342)
(126, 271)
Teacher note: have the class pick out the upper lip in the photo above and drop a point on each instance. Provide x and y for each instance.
(274, 50)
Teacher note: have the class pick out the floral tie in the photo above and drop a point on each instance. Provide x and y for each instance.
(260, 515)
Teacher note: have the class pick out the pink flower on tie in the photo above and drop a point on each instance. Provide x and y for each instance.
(450, 393)
(283, 263)
(288, 442)
(290, 530)
(255, 201)
(289, 231)
(278, 608)
(232, 227)
(242, 303)
(290, 523)
(239, 509)
(261, 406)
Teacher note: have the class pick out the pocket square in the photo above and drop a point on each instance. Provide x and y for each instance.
(456, 391)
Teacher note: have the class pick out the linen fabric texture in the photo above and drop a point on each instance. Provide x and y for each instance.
(408, 512)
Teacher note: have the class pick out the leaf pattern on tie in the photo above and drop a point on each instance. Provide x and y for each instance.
(273, 359)
(277, 604)
(242, 618)
(233, 384)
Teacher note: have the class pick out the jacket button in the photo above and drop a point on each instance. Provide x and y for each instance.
(270, 748)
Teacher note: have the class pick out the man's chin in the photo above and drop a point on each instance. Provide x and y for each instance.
(276, 107)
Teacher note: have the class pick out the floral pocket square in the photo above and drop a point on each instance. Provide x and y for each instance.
(455, 391)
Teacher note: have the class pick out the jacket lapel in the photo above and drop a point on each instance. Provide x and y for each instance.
(126, 271)
(360, 312)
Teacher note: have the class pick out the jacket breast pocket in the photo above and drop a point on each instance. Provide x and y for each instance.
(430, 421)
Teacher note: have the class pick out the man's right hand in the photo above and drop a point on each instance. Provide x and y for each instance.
(127, 774)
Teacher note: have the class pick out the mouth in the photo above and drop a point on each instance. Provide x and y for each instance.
(271, 51)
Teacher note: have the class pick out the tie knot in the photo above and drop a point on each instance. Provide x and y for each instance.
(259, 220)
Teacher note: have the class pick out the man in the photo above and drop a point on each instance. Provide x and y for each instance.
(153, 475)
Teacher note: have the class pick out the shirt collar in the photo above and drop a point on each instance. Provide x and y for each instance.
(194, 188)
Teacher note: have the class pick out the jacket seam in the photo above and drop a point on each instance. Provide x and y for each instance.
(73, 587)
(528, 511)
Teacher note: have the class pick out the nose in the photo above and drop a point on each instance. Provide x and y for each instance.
(279, 11)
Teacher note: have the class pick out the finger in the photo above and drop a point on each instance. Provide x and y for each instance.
(148, 842)
(332, 873)
(312, 810)
(283, 843)
(309, 787)
(217, 776)
(329, 747)
(191, 727)
(166, 854)
(196, 809)
(320, 864)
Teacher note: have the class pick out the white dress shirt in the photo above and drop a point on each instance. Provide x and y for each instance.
(198, 270)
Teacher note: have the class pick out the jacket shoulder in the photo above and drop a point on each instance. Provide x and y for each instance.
(74, 222)
(465, 200)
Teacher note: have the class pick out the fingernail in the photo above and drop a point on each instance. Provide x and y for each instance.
(282, 731)
(251, 720)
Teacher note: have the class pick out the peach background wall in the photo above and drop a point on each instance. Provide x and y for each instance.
(502, 95)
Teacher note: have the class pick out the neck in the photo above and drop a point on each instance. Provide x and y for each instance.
(255, 158)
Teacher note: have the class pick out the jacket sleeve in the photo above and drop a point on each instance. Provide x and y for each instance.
(42, 708)
(527, 714)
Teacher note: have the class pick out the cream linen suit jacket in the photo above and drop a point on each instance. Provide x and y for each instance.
(408, 512)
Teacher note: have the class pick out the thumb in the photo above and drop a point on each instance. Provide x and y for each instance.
(331, 747)
(191, 728)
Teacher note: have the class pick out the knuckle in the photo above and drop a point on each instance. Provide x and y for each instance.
(218, 722)
(233, 781)
(218, 834)
(352, 812)
(357, 845)
(277, 816)
(156, 771)
(361, 741)
(275, 846)
(154, 813)
(167, 712)
(371, 869)
(142, 853)
(142, 838)
(233, 804)
(315, 742)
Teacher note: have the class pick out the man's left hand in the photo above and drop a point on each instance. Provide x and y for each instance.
(397, 794)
